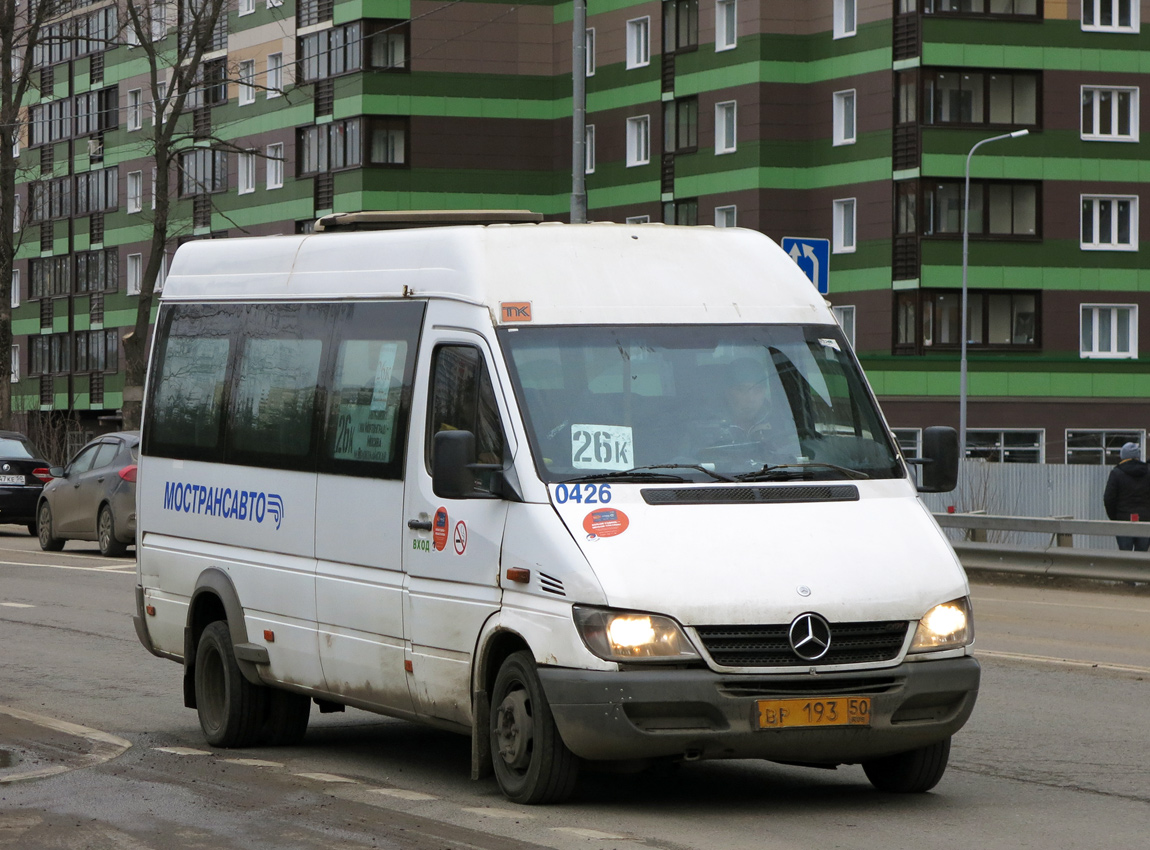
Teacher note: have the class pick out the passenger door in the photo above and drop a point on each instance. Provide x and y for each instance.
(359, 505)
(85, 474)
(453, 545)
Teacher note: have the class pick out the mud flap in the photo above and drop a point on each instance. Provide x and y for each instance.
(480, 736)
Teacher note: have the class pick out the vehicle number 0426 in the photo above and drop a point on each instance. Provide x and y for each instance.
(586, 494)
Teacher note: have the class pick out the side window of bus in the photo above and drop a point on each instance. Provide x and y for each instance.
(463, 399)
(186, 408)
(370, 395)
(273, 418)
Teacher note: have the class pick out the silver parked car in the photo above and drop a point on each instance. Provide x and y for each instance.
(93, 497)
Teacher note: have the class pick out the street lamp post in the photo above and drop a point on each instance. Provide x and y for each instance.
(965, 250)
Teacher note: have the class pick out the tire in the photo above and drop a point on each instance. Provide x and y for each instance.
(110, 547)
(532, 764)
(285, 718)
(49, 542)
(912, 772)
(231, 709)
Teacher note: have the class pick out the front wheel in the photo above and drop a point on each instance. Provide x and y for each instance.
(532, 764)
(110, 547)
(911, 772)
(286, 717)
(231, 709)
(49, 542)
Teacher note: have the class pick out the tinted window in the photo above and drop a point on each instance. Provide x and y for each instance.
(105, 454)
(83, 461)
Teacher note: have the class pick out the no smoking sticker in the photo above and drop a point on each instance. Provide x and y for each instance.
(605, 523)
(460, 537)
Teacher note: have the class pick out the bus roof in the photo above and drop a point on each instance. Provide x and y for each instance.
(568, 274)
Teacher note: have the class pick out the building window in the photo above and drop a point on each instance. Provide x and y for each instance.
(17, 223)
(725, 216)
(726, 24)
(158, 103)
(135, 191)
(845, 316)
(589, 52)
(909, 441)
(388, 44)
(1109, 331)
(135, 109)
(15, 363)
(1110, 15)
(589, 149)
(844, 117)
(1100, 448)
(1109, 115)
(246, 7)
(995, 319)
(1109, 223)
(275, 160)
(335, 146)
(275, 78)
(638, 42)
(973, 8)
(680, 25)
(203, 170)
(246, 181)
(308, 12)
(963, 96)
(247, 82)
(684, 212)
(843, 226)
(339, 50)
(388, 140)
(638, 140)
(725, 123)
(639, 219)
(997, 208)
(15, 288)
(135, 273)
(681, 125)
(845, 13)
(1006, 446)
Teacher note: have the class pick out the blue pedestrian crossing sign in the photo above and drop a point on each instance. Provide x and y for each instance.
(813, 256)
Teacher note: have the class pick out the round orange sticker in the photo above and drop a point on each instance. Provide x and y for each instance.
(439, 529)
(606, 522)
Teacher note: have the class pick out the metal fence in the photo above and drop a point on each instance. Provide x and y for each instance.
(1027, 490)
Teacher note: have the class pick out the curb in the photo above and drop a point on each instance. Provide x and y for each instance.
(104, 746)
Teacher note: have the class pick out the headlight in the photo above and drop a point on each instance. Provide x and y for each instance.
(632, 636)
(946, 626)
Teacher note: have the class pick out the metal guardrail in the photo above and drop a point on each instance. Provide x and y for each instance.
(1059, 558)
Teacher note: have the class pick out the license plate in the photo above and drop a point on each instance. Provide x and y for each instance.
(11, 479)
(813, 711)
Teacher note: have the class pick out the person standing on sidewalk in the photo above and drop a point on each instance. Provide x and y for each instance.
(1127, 495)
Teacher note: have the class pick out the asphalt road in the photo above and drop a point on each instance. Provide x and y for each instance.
(1056, 755)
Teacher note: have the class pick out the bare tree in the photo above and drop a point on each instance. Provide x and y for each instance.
(175, 64)
(22, 34)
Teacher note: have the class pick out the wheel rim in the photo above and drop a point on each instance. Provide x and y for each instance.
(213, 688)
(105, 529)
(515, 730)
(45, 526)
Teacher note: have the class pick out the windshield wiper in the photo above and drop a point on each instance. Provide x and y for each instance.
(642, 473)
(784, 471)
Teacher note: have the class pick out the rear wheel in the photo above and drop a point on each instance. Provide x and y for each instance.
(110, 547)
(231, 708)
(49, 542)
(286, 717)
(531, 762)
(911, 772)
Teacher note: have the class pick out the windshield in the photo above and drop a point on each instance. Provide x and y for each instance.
(725, 399)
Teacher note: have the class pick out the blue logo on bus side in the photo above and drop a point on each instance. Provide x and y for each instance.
(244, 505)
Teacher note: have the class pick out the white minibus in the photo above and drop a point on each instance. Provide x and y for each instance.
(589, 494)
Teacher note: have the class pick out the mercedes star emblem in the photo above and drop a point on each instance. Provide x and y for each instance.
(810, 636)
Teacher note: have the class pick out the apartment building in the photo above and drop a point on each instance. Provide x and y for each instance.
(845, 120)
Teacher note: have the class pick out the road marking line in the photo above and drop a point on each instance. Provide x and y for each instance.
(16, 605)
(64, 567)
(1068, 662)
(105, 745)
(404, 794)
(498, 813)
(182, 751)
(326, 777)
(589, 833)
(254, 762)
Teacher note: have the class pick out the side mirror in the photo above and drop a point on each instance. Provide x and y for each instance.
(453, 452)
(939, 460)
(56, 471)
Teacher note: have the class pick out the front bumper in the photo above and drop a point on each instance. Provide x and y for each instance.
(701, 714)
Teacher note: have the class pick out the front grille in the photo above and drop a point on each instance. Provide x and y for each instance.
(768, 646)
(714, 495)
